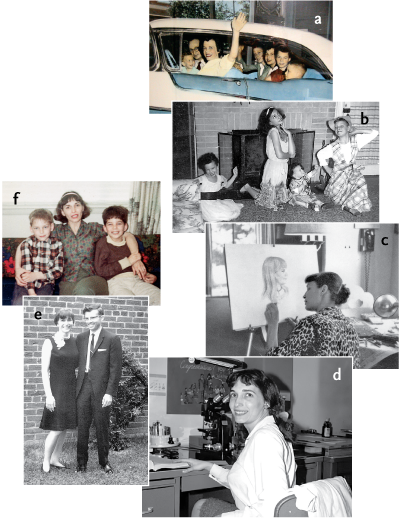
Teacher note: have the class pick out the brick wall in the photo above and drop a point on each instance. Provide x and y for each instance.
(124, 316)
(212, 118)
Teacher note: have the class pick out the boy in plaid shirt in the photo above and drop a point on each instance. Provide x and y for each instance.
(41, 257)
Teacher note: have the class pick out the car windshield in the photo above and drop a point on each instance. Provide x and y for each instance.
(174, 44)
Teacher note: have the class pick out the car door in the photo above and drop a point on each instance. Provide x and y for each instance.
(291, 90)
(193, 87)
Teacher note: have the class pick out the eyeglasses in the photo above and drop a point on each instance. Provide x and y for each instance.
(194, 48)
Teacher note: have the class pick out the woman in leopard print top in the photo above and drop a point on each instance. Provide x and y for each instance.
(325, 333)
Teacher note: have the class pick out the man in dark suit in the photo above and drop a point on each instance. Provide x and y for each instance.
(100, 366)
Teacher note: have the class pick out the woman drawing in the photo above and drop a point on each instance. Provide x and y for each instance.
(327, 332)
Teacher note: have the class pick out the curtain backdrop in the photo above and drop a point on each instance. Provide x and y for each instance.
(145, 208)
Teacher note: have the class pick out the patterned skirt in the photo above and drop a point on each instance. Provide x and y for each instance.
(349, 188)
(272, 196)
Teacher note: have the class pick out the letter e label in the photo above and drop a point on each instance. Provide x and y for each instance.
(38, 315)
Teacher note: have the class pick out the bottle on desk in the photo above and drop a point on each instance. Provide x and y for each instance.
(327, 429)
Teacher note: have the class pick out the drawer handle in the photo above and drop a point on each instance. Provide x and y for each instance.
(150, 510)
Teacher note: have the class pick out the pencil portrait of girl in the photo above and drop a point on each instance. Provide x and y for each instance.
(275, 276)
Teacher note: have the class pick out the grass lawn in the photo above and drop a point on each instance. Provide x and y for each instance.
(129, 465)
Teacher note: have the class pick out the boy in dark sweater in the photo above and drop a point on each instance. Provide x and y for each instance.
(115, 263)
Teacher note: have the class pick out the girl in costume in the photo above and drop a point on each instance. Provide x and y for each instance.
(280, 148)
(347, 186)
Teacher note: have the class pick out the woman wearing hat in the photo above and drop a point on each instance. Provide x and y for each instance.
(347, 186)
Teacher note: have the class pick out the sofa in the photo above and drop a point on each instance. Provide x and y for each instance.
(149, 246)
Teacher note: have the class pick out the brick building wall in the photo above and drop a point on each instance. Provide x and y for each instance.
(212, 118)
(125, 316)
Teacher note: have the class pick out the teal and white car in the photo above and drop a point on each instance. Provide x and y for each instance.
(168, 36)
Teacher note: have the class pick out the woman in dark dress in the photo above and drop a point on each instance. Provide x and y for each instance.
(59, 361)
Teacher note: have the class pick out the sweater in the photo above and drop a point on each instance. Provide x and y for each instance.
(112, 260)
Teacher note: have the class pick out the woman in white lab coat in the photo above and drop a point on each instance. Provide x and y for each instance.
(265, 469)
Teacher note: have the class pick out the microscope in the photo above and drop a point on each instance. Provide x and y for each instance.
(217, 430)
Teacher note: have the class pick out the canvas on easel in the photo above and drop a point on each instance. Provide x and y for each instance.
(260, 274)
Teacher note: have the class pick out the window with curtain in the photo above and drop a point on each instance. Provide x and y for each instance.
(217, 235)
(145, 208)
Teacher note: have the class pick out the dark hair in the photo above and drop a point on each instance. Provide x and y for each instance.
(64, 315)
(264, 125)
(339, 292)
(283, 48)
(270, 393)
(90, 308)
(67, 197)
(258, 46)
(115, 211)
(294, 165)
(269, 45)
(218, 44)
(205, 159)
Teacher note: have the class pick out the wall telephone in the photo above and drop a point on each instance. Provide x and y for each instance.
(367, 240)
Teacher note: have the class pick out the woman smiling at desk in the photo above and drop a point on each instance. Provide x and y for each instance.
(265, 469)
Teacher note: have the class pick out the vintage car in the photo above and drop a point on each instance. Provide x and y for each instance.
(169, 36)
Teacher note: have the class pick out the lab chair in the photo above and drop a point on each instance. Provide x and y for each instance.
(287, 508)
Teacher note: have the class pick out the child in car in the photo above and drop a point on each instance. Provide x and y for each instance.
(188, 63)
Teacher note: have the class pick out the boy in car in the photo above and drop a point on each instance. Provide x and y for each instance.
(188, 63)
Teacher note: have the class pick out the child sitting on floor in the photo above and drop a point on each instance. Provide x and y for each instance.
(115, 262)
(211, 182)
(300, 190)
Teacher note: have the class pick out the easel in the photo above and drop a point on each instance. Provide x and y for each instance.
(251, 330)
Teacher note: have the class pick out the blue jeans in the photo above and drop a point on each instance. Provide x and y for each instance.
(20, 292)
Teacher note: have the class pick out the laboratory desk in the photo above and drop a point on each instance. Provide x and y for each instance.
(171, 493)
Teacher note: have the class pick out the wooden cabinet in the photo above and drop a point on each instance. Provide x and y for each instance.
(246, 150)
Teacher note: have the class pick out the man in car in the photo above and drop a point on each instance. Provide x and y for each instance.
(194, 47)
(215, 65)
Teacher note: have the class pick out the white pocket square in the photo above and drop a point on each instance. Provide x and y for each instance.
(101, 350)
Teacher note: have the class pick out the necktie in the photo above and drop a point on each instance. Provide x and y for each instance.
(199, 65)
(91, 353)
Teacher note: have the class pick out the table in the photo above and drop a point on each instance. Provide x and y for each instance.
(171, 493)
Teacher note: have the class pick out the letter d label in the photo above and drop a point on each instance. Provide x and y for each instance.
(338, 374)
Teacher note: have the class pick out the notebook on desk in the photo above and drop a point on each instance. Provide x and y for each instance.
(157, 463)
